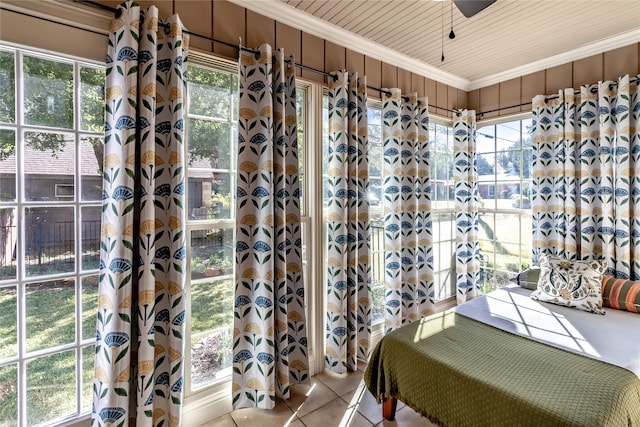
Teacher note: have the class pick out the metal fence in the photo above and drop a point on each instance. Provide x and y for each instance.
(377, 272)
(49, 247)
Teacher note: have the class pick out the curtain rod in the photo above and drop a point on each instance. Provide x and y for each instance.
(550, 97)
(116, 11)
(594, 89)
(211, 39)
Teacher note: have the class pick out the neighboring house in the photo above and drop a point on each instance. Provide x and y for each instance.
(501, 185)
(49, 176)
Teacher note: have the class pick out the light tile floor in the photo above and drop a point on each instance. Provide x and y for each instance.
(330, 400)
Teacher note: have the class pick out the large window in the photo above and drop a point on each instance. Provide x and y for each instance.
(51, 132)
(374, 122)
(442, 208)
(51, 124)
(441, 145)
(504, 180)
(211, 144)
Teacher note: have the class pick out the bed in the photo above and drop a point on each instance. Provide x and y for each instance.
(506, 360)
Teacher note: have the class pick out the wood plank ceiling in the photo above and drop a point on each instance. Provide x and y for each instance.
(507, 35)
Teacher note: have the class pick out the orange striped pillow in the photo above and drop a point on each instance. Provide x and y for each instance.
(621, 294)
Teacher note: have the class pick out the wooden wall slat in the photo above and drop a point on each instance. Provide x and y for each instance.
(290, 39)
(588, 70)
(462, 100)
(313, 56)
(404, 80)
(355, 63)
(619, 62)
(197, 16)
(532, 84)
(263, 30)
(559, 78)
(452, 100)
(334, 57)
(373, 71)
(61, 38)
(165, 8)
(510, 95)
(417, 84)
(489, 100)
(111, 3)
(473, 100)
(442, 97)
(389, 78)
(431, 92)
(229, 26)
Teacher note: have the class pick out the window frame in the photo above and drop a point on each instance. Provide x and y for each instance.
(494, 274)
(77, 202)
(201, 403)
(216, 392)
(377, 326)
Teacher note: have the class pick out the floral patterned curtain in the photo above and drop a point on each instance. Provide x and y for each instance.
(408, 275)
(138, 368)
(348, 327)
(466, 206)
(270, 338)
(586, 169)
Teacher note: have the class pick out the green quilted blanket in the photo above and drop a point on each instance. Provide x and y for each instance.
(461, 372)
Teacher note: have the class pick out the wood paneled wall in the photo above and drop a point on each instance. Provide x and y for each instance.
(604, 66)
(231, 23)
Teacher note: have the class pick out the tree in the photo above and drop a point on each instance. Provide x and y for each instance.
(483, 166)
(211, 94)
(7, 103)
(47, 101)
(510, 159)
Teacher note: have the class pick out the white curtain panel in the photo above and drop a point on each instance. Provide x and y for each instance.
(466, 206)
(586, 169)
(348, 317)
(141, 310)
(408, 239)
(270, 334)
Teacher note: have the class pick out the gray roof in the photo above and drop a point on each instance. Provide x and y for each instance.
(62, 163)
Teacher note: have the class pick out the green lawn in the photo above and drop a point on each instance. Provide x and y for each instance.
(211, 305)
(51, 379)
(50, 321)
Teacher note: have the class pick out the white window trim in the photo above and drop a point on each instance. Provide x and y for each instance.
(74, 202)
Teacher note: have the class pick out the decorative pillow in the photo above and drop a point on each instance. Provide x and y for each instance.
(621, 294)
(528, 278)
(574, 284)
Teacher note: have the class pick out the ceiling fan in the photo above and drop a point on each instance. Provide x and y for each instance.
(471, 7)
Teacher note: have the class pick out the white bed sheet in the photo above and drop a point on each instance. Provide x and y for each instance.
(613, 338)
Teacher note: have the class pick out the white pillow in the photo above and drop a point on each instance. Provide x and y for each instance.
(576, 284)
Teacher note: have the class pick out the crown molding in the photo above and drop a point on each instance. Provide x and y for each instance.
(286, 14)
(293, 17)
(67, 11)
(620, 40)
(64, 12)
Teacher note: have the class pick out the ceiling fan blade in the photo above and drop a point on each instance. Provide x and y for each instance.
(471, 7)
